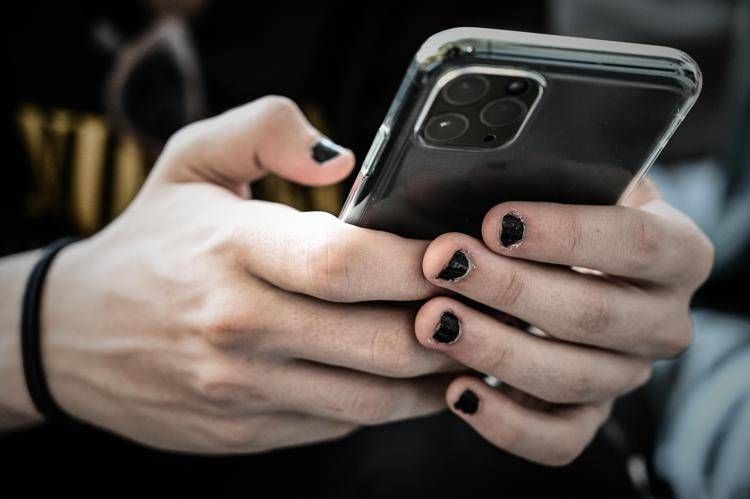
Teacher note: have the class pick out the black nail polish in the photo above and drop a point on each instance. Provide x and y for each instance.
(448, 329)
(324, 149)
(512, 230)
(457, 268)
(468, 402)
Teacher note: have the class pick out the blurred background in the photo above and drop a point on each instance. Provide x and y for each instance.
(95, 88)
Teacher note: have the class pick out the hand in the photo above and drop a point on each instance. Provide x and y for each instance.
(603, 329)
(202, 321)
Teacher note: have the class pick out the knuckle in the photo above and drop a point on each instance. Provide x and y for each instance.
(329, 265)
(232, 436)
(645, 243)
(641, 376)
(372, 406)
(223, 322)
(277, 108)
(702, 261)
(501, 356)
(679, 338)
(574, 443)
(224, 245)
(508, 292)
(216, 384)
(185, 137)
(583, 386)
(596, 315)
(566, 453)
(391, 353)
(574, 235)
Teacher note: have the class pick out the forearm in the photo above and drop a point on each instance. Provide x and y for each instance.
(16, 408)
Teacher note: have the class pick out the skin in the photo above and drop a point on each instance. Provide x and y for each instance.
(600, 330)
(204, 321)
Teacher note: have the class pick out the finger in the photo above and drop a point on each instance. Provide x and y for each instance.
(324, 257)
(354, 397)
(550, 370)
(553, 438)
(250, 435)
(645, 192)
(269, 385)
(242, 145)
(565, 304)
(373, 338)
(652, 246)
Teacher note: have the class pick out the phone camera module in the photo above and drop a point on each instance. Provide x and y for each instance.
(466, 90)
(479, 110)
(502, 112)
(446, 127)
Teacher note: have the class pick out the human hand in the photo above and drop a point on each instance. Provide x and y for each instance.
(603, 329)
(202, 321)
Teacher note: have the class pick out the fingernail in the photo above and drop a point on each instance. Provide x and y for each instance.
(448, 329)
(512, 230)
(457, 267)
(325, 149)
(468, 402)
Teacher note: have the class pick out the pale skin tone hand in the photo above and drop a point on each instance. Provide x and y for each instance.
(604, 329)
(202, 321)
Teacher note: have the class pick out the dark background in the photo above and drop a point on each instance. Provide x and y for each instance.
(348, 58)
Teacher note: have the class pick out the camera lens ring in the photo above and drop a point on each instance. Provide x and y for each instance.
(452, 125)
(466, 89)
(502, 112)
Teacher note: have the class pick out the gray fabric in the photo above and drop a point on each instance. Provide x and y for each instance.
(699, 189)
(704, 444)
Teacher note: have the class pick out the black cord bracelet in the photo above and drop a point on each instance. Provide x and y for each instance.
(31, 344)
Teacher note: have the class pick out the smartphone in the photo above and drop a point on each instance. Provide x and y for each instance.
(485, 116)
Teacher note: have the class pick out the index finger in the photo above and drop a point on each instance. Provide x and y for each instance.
(658, 245)
(316, 254)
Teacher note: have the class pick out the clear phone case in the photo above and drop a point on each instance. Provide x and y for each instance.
(604, 112)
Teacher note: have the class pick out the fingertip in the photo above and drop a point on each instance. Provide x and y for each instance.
(437, 323)
(491, 228)
(325, 151)
(327, 167)
(504, 227)
(349, 160)
(464, 396)
(431, 260)
(423, 321)
(449, 258)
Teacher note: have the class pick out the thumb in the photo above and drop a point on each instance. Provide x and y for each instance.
(243, 144)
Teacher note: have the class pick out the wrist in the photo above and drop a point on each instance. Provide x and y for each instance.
(16, 407)
(63, 316)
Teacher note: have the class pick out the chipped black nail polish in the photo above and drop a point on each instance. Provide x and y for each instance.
(457, 267)
(448, 329)
(468, 402)
(324, 149)
(512, 230)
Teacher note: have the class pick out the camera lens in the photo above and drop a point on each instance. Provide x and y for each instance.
(466, 89)
(448, 126)
(502, 112)
(517, 87)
